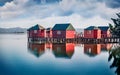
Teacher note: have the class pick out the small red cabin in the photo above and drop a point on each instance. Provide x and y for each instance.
(36, 31)
(63, 31)
(92, 32)
(105, 32)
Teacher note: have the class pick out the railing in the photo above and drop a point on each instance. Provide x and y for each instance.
(76, 40)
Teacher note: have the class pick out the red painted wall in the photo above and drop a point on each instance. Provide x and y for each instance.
(39, 34)
(88, 33)
(49, 34)
(70, 34)
(105, 34)
(96, 33)
(62, 35)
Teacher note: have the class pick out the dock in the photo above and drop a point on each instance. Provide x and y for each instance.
(76, 40)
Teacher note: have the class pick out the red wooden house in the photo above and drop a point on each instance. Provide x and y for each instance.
(36, 31)
(92, 49)
(105, 32)
(92, 32)
(64, 50)
(36, 49)
(49, 32)
(63, 31)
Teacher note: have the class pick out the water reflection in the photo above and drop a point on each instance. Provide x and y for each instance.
(65, 50)
(95, 49)
(115, 54)
(36, 49)
(52, 59)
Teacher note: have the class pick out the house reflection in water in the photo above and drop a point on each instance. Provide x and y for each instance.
(36, 49)
(92, 49)
(65, 50)
(106, 47)
(49, 46)
(95, 49)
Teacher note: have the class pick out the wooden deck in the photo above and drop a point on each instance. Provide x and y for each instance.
(102, 40)
(75, 40)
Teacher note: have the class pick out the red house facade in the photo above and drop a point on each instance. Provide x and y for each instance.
(97, 32)
(63, 31)
(92, 32)
(105, 32)
(36, 31)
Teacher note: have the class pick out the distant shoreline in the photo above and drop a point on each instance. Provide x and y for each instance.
(15, 33)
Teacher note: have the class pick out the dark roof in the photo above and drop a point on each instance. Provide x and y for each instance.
(36, 27)
(103, 28)
(48, 29)
(66, 26)
(90, 28)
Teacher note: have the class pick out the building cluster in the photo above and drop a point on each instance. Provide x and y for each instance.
(67, 31)
(97, 32)
(58, 31)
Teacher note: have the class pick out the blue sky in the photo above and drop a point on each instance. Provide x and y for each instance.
(81, 13)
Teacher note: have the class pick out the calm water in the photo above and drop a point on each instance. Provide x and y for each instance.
(18, 57)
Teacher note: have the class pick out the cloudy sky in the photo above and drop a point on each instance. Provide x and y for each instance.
(81, 13)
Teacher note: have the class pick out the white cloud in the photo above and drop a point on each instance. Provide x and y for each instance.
(12, 9)
(77, 21)
(25, 13)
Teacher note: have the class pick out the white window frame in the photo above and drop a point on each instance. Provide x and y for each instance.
(58, 32)
(35, 31)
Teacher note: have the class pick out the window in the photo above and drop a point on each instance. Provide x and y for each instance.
(35, 31)
(58, 32)
(89, 32)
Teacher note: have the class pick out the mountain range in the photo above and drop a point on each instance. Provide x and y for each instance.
(13, 30)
